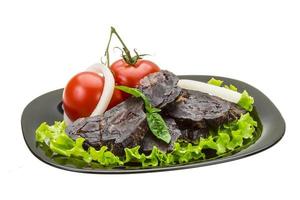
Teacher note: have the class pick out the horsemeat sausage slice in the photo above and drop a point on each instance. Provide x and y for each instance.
(160, 88)
(122, 126)
(195, 111)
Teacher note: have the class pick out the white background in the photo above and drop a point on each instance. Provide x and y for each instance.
(44, 43)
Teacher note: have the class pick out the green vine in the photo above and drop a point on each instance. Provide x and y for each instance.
(126, 55)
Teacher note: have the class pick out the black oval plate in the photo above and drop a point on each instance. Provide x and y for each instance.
(46, 109)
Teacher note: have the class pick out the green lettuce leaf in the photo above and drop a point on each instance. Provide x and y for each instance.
(133, 155)
(215, 82)
(49, 132)
(105, 157)
(246, 101)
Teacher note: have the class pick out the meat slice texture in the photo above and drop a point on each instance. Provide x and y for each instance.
(87, 128)
(122, 126)
(235, 112)
(150, 140)
(160, 88)
(194, 112)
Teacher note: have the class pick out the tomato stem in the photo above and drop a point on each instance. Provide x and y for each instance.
(127, 57)
(107, 50)
(126, 50)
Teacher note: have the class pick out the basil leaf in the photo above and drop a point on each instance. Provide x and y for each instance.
(156, 123)
(133, 91)
(158, 127)
(137, 93)
(154, 110)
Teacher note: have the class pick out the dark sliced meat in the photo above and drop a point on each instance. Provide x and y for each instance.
(191, 130)
(160, 87)
(195, 111)
(87, 128)
(122, 126)
(150, 140)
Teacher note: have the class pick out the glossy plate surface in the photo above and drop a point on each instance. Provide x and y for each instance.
(46, 109)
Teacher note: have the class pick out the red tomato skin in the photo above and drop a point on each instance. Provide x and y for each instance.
(82, 94)
(130, 75)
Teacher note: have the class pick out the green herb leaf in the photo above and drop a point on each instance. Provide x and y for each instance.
(156, 123)
(158, 127)
(137, 93)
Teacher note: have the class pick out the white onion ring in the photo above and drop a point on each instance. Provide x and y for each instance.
(108, 90)
(221, 92)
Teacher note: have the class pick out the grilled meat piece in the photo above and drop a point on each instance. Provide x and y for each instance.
(195, 111)
(150, 140)
(160, 87)
(191, 130)
(87, 128)
(122, 126)
(235, 112)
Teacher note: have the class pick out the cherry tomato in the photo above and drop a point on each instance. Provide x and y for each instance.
(117, 98)
(82, 94)
(131, 74)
